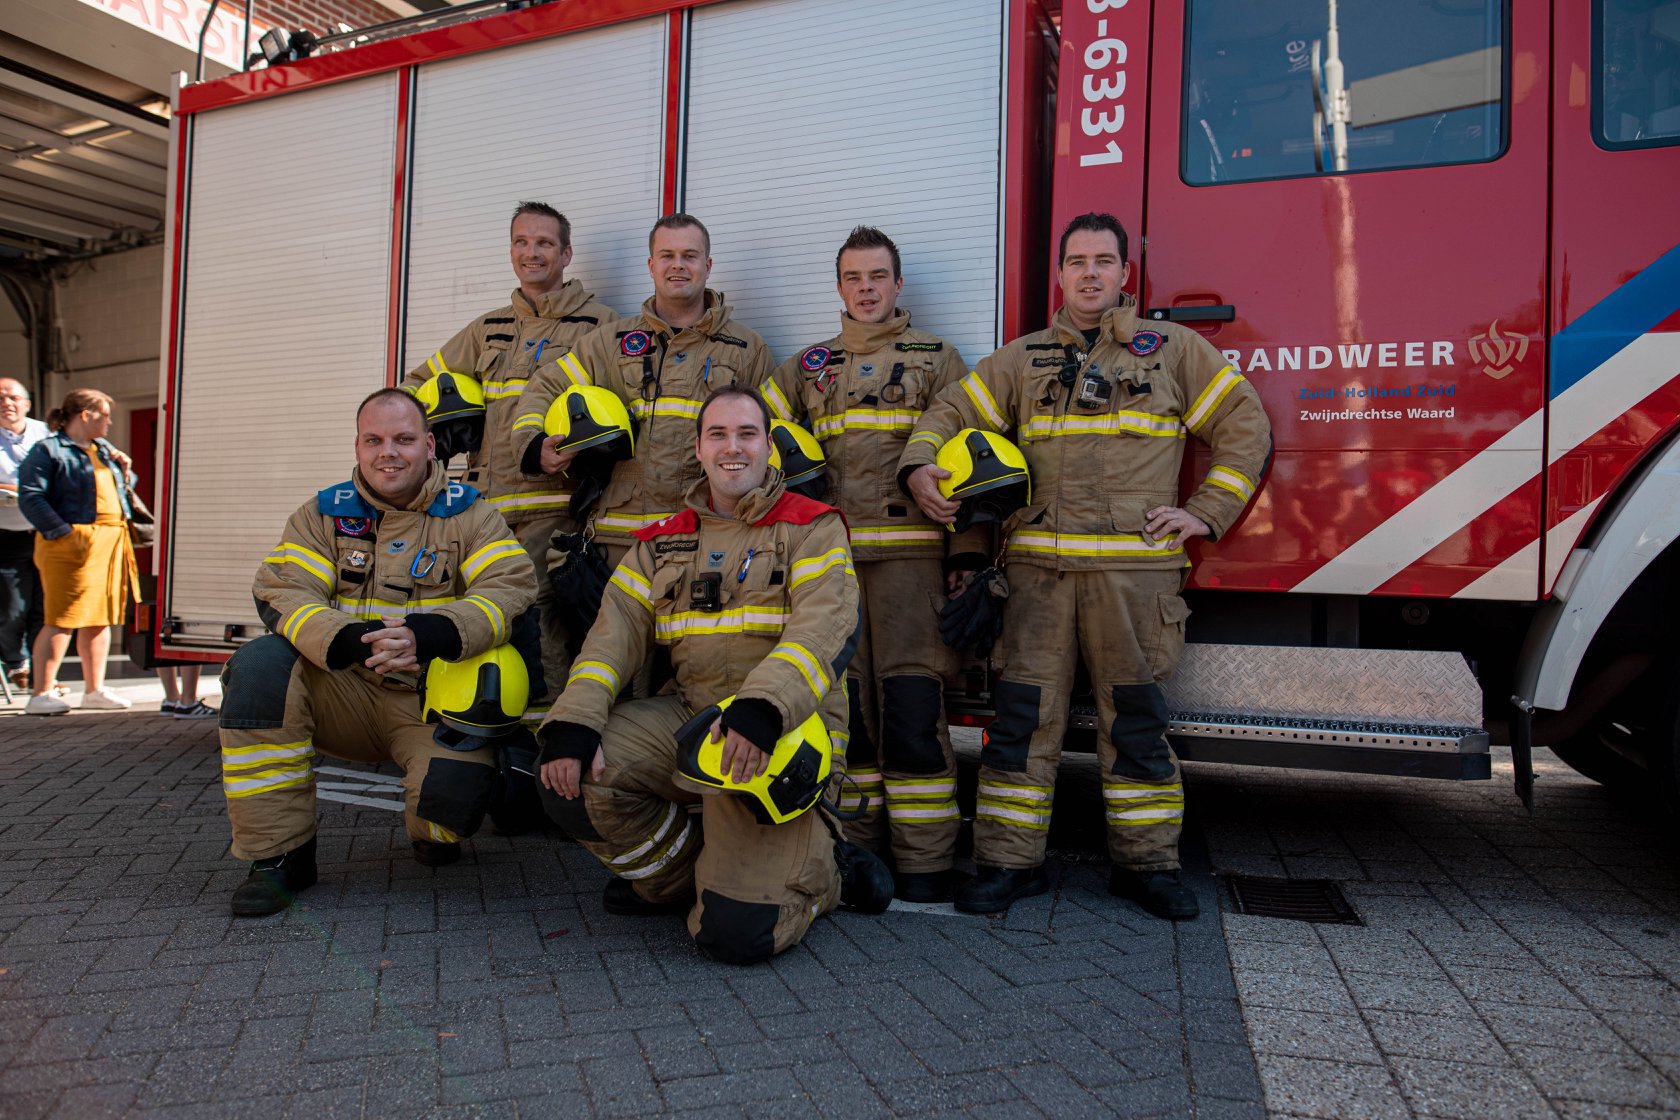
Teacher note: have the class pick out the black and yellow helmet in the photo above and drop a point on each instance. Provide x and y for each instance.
(593, 424)
(476, 698)
(797, 454)
(799, 769)
(454, 404)
(988, 477)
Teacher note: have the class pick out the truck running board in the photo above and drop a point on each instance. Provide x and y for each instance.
(1372, 711)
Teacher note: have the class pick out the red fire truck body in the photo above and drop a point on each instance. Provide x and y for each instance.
(1440, 240)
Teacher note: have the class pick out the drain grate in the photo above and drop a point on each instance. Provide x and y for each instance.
(1299, 900)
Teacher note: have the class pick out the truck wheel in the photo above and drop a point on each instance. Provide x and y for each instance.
(1630, 745)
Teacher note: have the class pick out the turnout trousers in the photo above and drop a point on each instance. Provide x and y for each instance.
(1129, 626)
(533, 535)
(756, 887)
(900, 754)
(279, 710)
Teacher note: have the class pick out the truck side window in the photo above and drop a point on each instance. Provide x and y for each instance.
(1636, 56)
(1293, 88)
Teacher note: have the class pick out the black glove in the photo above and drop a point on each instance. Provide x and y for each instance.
(434, 636)
(757, 721)
(567, 740)
(972, 621)
(347, 647)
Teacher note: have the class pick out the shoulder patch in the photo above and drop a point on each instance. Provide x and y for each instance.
(342, 501)
(922, 347)
(1145, 342)
(633, 344)
(683, 521)
(815, 359)
(454, 498)
(352, 526)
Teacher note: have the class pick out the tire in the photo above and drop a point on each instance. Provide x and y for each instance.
(1630, 746)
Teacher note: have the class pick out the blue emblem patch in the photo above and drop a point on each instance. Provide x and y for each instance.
(814, 359)
(1144, 343)
(353, 526)
(635, 343)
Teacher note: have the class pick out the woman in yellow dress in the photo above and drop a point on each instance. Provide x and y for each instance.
(73, 491)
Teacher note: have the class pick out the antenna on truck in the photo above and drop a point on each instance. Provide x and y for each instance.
(1330, 97)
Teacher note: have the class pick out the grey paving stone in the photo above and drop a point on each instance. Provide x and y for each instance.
(1454, 1089)
(1324, 994)
(1304, 1034)
(1333, 1090)
(1410, 1034)
(1620, 1078)
(1376, 991)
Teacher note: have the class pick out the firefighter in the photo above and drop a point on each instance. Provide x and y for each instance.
(860, 393)
(661, 363)
(1100, 404)
(372, 580)
(545, 316)
(751, 589)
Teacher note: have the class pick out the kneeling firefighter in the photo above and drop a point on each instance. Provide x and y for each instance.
(373, 580)
(751, 589)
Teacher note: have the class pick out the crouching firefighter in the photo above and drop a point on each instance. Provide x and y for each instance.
(372, 581)
(752, 591)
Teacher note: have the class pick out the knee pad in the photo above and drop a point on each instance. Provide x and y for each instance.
(737, 932)
(515, 808)
(456, 794)
(571, 815)
(1007, 739)
(1139, 733)
(860, 748)
(255, 682)
(910, 707)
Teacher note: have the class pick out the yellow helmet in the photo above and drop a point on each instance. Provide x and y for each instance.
(797, 454)
(988, 477)
(800, 764)
(454, 404)
(586, 416)
(475, 698)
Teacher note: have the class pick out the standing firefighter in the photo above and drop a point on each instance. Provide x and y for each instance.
(751, 589)
(661, 363)
(499, 351)
(373, 580)
(1100, 406)
(860, 393)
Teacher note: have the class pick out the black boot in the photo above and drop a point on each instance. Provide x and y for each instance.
(993, 888)
(429, 853)
(274, 882)
(865, 883)
(1159, 892)
(923, 886)
(620, 897)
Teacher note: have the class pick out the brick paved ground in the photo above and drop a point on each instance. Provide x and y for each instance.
(1509, 966)
(498, 987)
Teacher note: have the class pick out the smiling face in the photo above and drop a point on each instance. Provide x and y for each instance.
(679, 265)
(393, 449)
(867, 284)
(539, 260)
(14, 404)
(733, 448)
(1092, 274)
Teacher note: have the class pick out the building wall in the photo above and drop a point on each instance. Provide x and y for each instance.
(320, 16)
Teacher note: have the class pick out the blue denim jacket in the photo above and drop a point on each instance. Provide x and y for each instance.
(56, 488)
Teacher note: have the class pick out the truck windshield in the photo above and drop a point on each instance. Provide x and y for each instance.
(1320, 87)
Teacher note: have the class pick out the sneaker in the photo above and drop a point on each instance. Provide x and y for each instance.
(198, 709)
(46, 704)
(169, 707)
(104, 700)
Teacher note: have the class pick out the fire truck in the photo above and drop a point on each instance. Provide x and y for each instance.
(1438, 236)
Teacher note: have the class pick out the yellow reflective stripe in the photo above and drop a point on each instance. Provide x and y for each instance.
(810, 666)
(1005, 812)
(888, 534)
(1235, 481)
(867, 419)
(377, 608)
(984, 401)
(684, 407)
(632, 584)
(440, 835)
(528, 420)
(496, 390)
(804, 571)
(498, 619)
(778, 403)
(598, 671)
(1013, 792)
(532, 499)
(1138, 804)
(435, 363)
(1212, 397)
(312, 562)
(1091, 544)
(928, 437)
(627, 522)
(922, 799)
(1136, 423)
(473, 565)
(239, 758)
(742, 620)
(573, 370)
(289, 631)
(289, 767)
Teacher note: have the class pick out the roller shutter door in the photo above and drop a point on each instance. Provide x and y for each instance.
(287, 283)
(575, 122)
(886, 114)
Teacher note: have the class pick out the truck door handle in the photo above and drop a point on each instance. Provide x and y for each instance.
(1218, 313)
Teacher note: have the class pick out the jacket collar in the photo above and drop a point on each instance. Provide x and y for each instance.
(711, 323)
(1118, 322)
(866, 338)
(436, 479)
(752, 507)
(567, 299)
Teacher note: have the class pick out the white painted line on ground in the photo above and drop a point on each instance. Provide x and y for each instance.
(942, 909)
(352, 799)
(361, 775)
